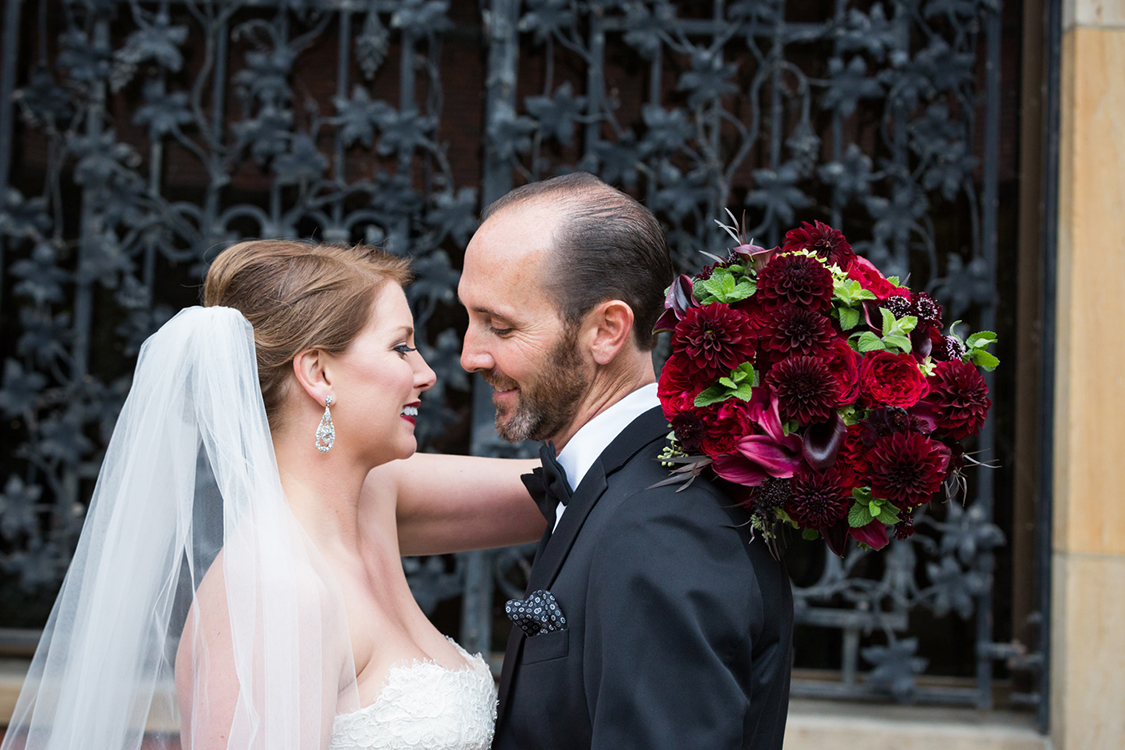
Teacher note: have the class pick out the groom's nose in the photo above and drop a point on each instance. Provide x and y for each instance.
(474, 356)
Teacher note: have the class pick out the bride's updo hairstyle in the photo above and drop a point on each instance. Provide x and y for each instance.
(299, 296)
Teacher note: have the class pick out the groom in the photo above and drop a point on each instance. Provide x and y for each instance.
(672, 627)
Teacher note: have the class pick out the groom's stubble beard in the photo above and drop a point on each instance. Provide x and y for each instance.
(549, 403)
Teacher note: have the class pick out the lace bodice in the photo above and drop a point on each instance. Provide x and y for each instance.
(424, 706)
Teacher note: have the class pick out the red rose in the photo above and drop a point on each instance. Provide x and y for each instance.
(676, 390)
(887, 379)
(844, 365)
(870, 279)
(725, 424)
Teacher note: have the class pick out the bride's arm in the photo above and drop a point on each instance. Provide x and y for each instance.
(456, 503)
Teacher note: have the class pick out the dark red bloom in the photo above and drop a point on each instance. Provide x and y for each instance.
(806, 389)
(818, 499)
(823, 240)
(797, 330)
(676, 389)
(795, 280)
(844, 364)
(873, 281)
(906, 468)
(767, 496)
(960, 398)
(850, 461)
(889, 379)
(689, 430)
(898, 306)
(904, 529)
(887, 420)
(947, 348)
(923, 307)
(715, 339)
(725, 423)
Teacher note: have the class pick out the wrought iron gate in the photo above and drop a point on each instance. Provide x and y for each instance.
(139, 137)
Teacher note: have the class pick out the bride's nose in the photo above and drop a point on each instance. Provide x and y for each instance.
(424, 377)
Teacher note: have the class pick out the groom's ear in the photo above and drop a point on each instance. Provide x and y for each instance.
(310, 370)
(608, 328)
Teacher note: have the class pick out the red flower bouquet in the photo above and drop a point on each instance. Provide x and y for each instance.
(825, 393)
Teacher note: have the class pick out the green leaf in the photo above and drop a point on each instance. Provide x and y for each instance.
(980, 339)
(985, 360)
(888, 320)
(723, 287)
(927, 366)
(902, 343)
(810, 534)
(894, 280)
(712, 395)
(859, 516)
(728, 383)
(870, 342)
(888, 514)
(873, 506)
(744, 392)
(862, 494)
(849, 318)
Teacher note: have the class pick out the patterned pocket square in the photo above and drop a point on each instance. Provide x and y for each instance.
(538, 613)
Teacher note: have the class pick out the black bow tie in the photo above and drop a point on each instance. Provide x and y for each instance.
(548, 485)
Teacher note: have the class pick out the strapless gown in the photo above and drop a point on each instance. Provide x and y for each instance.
(425, 706)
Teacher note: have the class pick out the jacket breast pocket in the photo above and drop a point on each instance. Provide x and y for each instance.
(545, 647)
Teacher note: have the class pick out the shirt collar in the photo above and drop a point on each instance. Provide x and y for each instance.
(595, 436)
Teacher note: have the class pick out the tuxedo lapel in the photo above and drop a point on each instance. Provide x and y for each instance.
(554, 546)
(639, 433)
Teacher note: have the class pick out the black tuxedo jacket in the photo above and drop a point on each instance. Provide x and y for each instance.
(678, 625)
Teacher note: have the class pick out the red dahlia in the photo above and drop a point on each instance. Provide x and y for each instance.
(806, 389)
(715, 339)
(823, 240)
(960, 398)
(818, 499)
(906, 468)
(797, 330)
(795, 280)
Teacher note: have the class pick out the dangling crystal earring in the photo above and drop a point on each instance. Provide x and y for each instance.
(326, 431)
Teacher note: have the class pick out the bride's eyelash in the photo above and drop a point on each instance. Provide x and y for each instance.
(404, 349)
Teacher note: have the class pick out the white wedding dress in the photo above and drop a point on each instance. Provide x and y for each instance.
(425, 706)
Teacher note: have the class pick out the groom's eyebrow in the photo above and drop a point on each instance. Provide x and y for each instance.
(483, 310)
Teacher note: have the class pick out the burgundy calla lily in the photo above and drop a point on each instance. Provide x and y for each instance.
(678, 301)
(768, 453)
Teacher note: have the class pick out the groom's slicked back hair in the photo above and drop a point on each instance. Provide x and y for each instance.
(608, 246)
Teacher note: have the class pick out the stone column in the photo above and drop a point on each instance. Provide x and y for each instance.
(1088, 609)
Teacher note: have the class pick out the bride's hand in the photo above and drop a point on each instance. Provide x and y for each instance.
(455, 503)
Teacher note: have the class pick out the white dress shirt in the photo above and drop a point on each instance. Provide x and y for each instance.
(595, 436)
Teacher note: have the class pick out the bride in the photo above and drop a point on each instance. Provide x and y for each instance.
(240, 561)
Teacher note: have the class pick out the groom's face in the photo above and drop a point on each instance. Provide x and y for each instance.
(516, 337)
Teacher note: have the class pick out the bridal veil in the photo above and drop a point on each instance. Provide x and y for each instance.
(189, 535)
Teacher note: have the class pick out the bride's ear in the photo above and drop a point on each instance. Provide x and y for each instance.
(310, 370)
